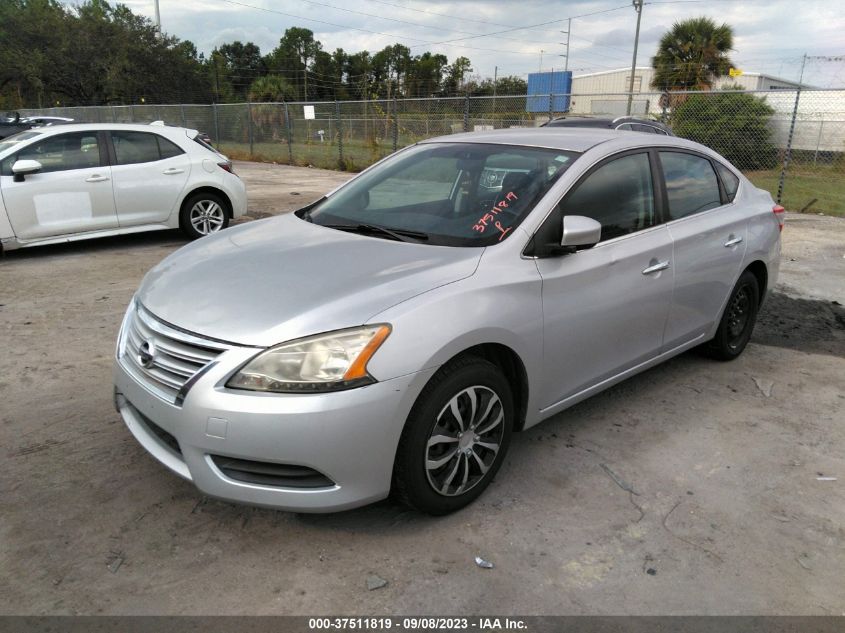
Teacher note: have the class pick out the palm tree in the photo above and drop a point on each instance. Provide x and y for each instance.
(691, 55)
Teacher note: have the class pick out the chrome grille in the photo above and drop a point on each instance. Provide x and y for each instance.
(172, 357)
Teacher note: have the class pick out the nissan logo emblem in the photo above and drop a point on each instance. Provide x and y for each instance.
(146, 353)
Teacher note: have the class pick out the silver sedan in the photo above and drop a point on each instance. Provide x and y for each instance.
(393, 335)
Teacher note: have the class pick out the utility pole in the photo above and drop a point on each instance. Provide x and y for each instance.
(568, 29)
(638, 7)
(158, 19)
(216, 79)
(495, 81)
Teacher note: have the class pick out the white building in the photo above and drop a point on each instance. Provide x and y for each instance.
(606, 92)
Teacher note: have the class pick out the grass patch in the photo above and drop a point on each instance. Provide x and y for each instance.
(804, 183)
(356, 156)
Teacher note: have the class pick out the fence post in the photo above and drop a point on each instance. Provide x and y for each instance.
(818, 142)
(182, 112)
(551, 106)
(132, 113)
(395, 124)
(341, 164)
(290, 135)
(249, 116)
(788, 153)
(216, 125)
(466, 113)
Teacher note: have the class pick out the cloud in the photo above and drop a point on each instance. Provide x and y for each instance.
(770, 35)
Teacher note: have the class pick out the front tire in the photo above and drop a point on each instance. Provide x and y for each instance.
(455, 438)
(737, 322)
(202, 214)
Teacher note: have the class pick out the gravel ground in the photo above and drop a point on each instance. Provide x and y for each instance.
(692, 488)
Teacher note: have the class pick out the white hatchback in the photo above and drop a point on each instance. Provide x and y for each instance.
(79, 181)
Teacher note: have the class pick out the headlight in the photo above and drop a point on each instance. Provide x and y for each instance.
(123, 333)
(326, 362)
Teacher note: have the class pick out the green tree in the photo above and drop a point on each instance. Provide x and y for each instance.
(692, 54)
(732, 123)
(271, 88)
(358, 70)
(244, 64)
(455, 73)
(91, 54)
(292, 57)
(504, 86)
(426, 74)
(390, 70)
(327, 75)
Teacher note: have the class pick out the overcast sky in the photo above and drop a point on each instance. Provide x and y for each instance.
(770, 35)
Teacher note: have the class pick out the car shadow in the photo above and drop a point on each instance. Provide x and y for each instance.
(806, 325)
(172, 237)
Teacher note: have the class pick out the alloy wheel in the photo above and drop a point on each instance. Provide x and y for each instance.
(464, 441)
(207, 217)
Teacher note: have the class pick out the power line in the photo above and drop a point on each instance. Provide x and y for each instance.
(391, 35)
(383, 17)
(529, 26)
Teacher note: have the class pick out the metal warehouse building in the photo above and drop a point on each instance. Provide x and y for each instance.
(606, 92)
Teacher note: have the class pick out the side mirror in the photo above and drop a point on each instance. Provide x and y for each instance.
(580, 232)
(23, 167)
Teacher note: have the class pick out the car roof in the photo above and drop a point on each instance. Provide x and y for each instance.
(568, 139)
(91, 127)
(573, 139)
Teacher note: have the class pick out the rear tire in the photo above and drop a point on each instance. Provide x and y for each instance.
(455, 438)
(202, 214)
(737, 322)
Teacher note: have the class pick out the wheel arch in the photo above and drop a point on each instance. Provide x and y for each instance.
(761, 272)
(207, 189)
(511, 365)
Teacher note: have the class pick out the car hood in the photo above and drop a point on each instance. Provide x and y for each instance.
(274, 280)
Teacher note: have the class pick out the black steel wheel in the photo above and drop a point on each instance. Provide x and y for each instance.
(738, 320)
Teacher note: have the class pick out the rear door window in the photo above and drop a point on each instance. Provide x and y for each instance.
(691, 184)
(141, 147)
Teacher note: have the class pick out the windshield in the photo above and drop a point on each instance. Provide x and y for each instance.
(453, 194)
(14, 139)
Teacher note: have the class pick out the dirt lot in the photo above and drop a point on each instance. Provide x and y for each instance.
(727, 514)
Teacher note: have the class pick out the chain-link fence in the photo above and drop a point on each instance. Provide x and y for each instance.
(791, 143)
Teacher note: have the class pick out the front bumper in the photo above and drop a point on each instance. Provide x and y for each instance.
(348, 436)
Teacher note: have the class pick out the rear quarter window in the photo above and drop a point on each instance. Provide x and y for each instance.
(729, 181)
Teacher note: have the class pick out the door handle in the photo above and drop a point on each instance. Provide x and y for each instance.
(172, 171)
(655, 268)
(96, 178)
(733, 242)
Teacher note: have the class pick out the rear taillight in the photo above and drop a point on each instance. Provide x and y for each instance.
(780, 215)
(227, 165)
